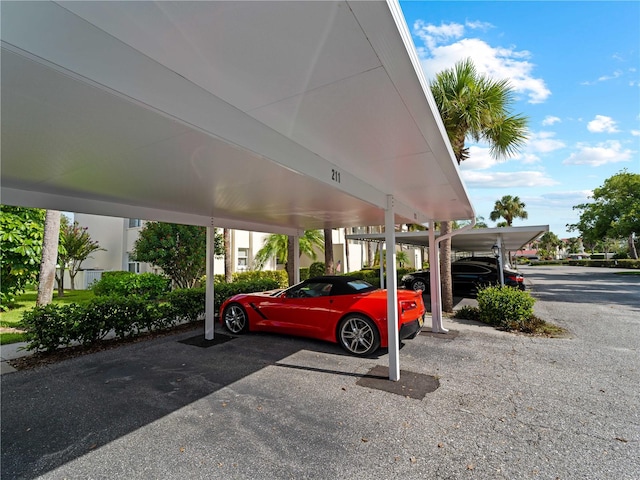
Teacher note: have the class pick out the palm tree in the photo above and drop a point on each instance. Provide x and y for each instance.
(49, 256)
(277, 245)
(508, 207)
(228, 260)
(328, 251)
(474, 107)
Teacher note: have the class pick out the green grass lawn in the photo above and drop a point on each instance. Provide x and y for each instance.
(13, 317)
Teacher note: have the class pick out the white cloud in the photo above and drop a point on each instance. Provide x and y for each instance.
(543, 142)
(528, 178)
(444, 46)
(479, 159)
(550, 120)
(600, 154)
(635, 133)
(602, 124)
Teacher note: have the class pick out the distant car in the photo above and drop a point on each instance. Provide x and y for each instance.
(489, 260)
(467, 276)
(339, 309)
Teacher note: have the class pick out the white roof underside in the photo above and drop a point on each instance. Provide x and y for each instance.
(475, 240)
(272, 116)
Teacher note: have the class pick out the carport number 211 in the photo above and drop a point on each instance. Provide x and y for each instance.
(335, 175)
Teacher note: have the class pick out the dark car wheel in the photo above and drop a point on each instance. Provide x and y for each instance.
(235, 318)
(419, 284)
(358, 335)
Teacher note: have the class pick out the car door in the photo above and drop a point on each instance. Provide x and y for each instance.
(467, 277)
(302, 310)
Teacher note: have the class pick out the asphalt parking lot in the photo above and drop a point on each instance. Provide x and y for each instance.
(476, 403)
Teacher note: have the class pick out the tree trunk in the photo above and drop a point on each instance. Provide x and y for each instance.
(328, 251)
(346, 253)
(370, 250)
(49, 257)
(633, 253)
(445, 268)
(228, 267)
(290, 260)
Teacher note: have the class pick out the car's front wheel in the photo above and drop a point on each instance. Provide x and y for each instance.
(419, 284)
(235, 318)
(358, 335)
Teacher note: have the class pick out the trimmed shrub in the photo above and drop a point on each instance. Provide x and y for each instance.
(54, 326)
(188, 303)
(50, 326)
(280, 276)
(505, 307)
(123, 284)
(317, 269)
(304, 273)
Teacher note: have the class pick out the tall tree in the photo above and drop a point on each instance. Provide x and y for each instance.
(476, 107)
(77, 246)
(179, 250)
(21, 233)
(328, 251)
(50, 240)
(228, 274)
(508, 207)
(614, 211)
(547, 245)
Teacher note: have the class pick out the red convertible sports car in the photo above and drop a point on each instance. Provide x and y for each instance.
(339, 309)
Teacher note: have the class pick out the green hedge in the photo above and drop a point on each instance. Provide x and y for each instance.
(124, 284)
(505, 307)
(372, 275)
(280, 276)
(619, 263)
(54, 326)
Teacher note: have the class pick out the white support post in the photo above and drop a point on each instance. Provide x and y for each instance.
(296, 259)
(209, 289)
(381, 265)
(434, 280)
(500, 260)
(392, 292)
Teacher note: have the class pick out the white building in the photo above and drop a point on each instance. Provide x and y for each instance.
(118, 235)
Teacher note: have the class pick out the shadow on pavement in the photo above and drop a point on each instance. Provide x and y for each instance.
(57, 413)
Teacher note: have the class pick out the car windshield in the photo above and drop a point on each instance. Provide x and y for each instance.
(360, 285)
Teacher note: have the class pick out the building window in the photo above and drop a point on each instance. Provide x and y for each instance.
(135, 222)
(134, 267)
(243, 259)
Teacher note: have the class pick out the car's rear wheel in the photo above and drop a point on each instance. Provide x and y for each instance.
(235, 318)
(358, 335)
(419, 284)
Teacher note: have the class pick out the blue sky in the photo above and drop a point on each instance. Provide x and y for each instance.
(575, 67)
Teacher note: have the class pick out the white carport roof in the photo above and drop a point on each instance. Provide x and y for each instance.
(475, 240)
(271, 116)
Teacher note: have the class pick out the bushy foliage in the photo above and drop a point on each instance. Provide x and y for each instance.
(279, 276)
(148, 285)
(179, 250)
(187, 303)
(505, 307)
(125, 315)
(316, 269)
(21, 232)
(622, 263)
